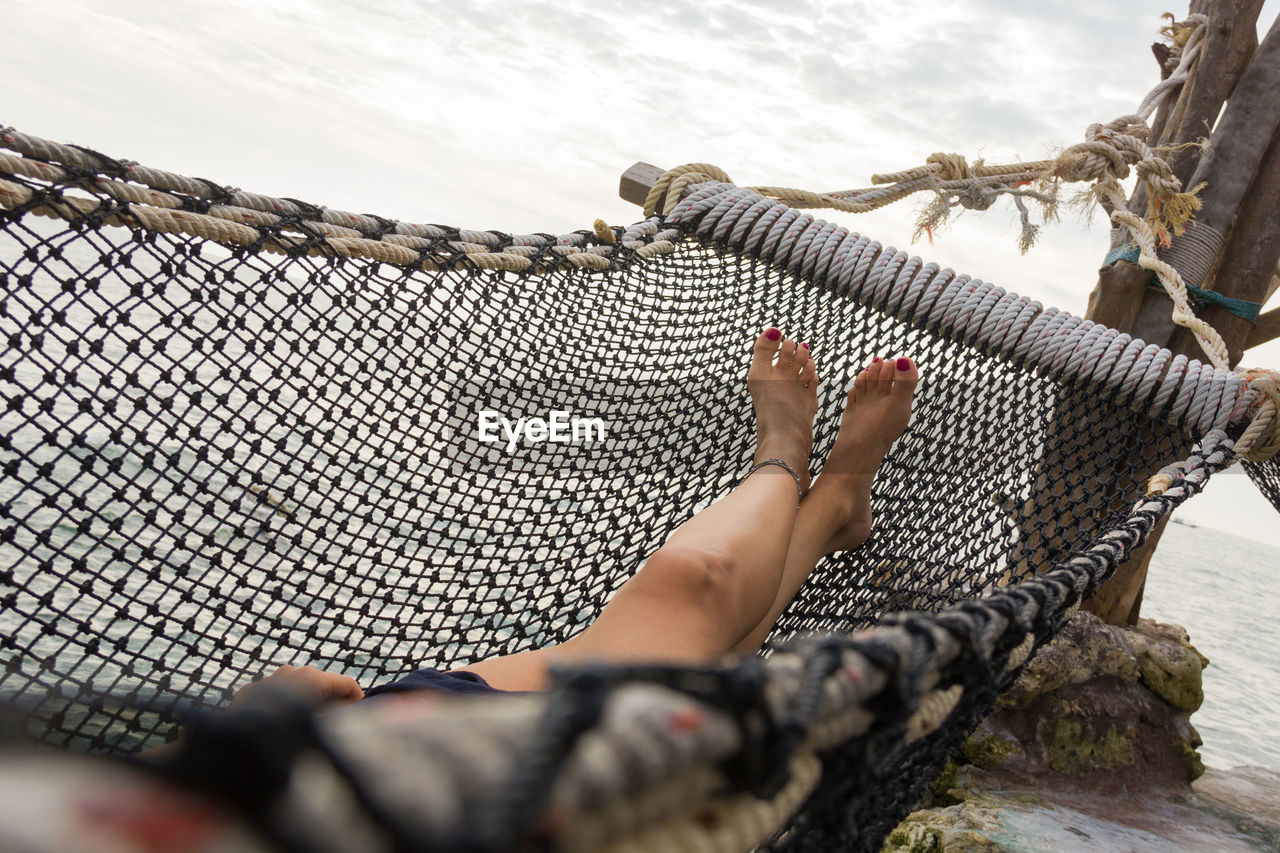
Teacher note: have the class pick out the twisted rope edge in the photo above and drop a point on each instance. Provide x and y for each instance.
(123, 193)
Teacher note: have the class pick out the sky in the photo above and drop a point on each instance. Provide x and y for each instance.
(520, 115)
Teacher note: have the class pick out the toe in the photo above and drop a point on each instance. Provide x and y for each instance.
(766, 347)
(881, 376)
(787, 355)
(862, 383)
(905, 376)
(808, 370)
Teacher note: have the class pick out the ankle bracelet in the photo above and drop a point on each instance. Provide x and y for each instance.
(785, 467)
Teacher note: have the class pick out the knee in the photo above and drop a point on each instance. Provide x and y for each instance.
(706, 578)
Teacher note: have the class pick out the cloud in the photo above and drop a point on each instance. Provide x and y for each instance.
(503, 114)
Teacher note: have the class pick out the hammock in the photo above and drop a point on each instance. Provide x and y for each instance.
(240, 432)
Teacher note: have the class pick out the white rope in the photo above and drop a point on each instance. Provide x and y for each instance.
(1195, 28)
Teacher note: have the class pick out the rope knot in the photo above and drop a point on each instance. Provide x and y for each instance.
(1128, 126)
(953, 166)
(976, 197)
(1108, 151)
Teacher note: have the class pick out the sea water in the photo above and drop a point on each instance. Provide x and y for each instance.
(1223, 590)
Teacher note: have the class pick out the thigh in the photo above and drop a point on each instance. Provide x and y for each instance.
(671, 611)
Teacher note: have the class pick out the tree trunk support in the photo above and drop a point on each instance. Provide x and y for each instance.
(1241, 168)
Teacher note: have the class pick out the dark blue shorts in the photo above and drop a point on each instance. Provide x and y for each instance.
(434, 679)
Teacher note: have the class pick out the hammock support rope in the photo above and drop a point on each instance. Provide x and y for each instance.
(1104, 159)
(224, 436)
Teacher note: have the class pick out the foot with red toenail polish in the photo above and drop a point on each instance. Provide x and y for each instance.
(877, 412)
(783, 382)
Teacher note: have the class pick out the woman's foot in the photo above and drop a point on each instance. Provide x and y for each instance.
(783, 382)
(877, 412)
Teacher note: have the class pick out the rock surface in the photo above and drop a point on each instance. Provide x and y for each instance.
(1093, 749)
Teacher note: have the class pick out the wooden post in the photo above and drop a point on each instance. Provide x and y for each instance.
(1267, 329)
(636, 182)
(1241, 169)
(1227, 168)
(1248, 261)
(1116, 298)
(1230, 42)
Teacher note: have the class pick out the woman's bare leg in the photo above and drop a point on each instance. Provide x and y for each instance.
(836, 514)
(718, 574)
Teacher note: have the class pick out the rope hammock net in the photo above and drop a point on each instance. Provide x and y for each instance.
(241, 432)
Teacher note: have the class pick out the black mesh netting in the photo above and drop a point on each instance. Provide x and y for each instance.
(220, 461)
(1266, 476)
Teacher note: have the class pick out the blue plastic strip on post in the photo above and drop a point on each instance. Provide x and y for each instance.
(1240, 307)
